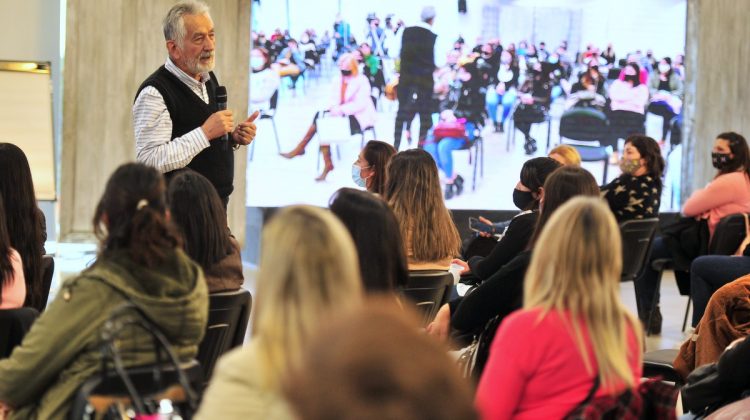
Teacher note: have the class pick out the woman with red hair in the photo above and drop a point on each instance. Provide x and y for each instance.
(352, 99)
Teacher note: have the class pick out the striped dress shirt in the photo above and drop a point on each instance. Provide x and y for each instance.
(154, 145)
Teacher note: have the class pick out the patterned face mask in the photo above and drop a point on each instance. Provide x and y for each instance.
(628, 166)
(720, 160)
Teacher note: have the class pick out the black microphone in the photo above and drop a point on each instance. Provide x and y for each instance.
(221, 102)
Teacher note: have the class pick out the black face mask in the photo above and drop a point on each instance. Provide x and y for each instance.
(720, 160)
(633, 78)
(346, 72)
(522, 199)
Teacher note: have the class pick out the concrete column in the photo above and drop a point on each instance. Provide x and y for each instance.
(111, 47)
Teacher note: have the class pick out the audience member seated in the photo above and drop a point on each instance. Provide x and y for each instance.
(264, 80)
(12, 284)
(386, 371)
(566, 155)
(382, 261)
(502, 293)
(292, 62)
(710, 272)
(727, 194)
(726, 318)
(373, 69)
(666, 94)
(628, 101)
(369, 170)
(732, 381)
(536, 96)
(352, 99)
(574, 335)
(515, 237)
(196, 210)
(505, 90)
(26, 224)
(308, 269)
(309, 50)
(413, 192)
(139, 262)
(636, 193)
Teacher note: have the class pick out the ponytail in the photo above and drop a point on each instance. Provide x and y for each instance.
(131, 216)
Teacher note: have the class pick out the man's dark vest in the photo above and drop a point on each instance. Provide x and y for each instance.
(417, 57)
(188, 112)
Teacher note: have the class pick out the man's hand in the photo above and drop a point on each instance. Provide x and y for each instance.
(245, 131)
(218, 124)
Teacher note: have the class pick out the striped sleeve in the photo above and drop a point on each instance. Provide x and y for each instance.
(153, 132)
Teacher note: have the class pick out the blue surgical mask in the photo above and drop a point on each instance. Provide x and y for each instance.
(357, 176)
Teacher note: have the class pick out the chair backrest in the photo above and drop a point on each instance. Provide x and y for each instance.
(586, 124)
(152, 382)
(48, 270)
(728, 235)
(228, 315)
(636, 241)
(14, 324)
(428, 289)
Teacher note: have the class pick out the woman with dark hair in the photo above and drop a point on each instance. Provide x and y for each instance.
(139, 263)
(628, 99)
(728, 193)
(373, 227)
(198, 213)
(502, 293)
(526, 196)
(413, 192)
(12, 285)
(264, 80)
(370, 168)
(25, 222)
(636, 193)
(666, 94)
(536, 97)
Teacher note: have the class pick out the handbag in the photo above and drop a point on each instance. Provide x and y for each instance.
(333, 130)
(702, 393)
(686, 239)
(453, 129)
(474, 357)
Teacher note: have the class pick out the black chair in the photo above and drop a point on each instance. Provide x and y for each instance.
(658, 364)
(587, 127)
(270, 114)
(14, 324)
(476, 155)
(228, 316)
(511, 136)
(728, 235)
(48, 270)
(152, 382)
(428, 290)
(636, 242)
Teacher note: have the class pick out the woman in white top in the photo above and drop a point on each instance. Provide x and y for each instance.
(264, 80)
(628, 101)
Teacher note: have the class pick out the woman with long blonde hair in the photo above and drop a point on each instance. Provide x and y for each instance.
(308, 269)
(573, 335)
(413, 192)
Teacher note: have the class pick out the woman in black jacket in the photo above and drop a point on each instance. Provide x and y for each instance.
(526, 196)
(502, 293)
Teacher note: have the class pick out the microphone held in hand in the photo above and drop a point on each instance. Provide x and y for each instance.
(221, 102)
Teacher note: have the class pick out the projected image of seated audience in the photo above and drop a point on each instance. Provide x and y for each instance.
(482, 91)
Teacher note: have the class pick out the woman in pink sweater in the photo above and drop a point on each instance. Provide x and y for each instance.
(12, 284)
(352, 99)
(573, 328)
(728, 193)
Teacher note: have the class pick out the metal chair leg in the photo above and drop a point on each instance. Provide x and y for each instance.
(654, 303)
(276, 134)
(687, 311)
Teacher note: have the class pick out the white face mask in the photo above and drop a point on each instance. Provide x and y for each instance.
(256, 62)
(664, 67)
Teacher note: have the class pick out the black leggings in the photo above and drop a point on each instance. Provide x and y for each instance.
(663, 110)
(412, 101)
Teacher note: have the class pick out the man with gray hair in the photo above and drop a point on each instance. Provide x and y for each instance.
(176, 116)
(415, 82)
